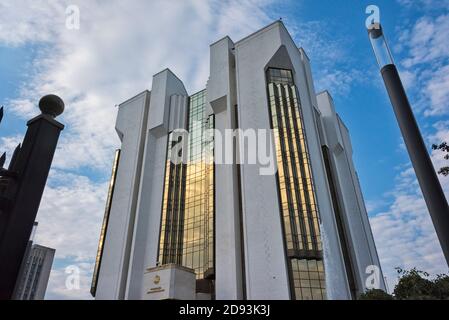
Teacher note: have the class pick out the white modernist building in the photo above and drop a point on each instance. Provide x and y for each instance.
(230, 230)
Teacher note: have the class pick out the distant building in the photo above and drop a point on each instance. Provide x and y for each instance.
(301, 232)
(35, 273)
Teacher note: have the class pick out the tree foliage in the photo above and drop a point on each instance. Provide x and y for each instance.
(444, 147)
(375, 294)
(441, 287)
(413, 285)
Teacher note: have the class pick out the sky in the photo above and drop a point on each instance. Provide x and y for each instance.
(121, 44)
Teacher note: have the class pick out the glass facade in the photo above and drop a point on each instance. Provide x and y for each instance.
(308, 279)
(187, 228)
(170, 245)
(296, 191)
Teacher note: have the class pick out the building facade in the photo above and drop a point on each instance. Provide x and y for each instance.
(34, 274)
(295, 227)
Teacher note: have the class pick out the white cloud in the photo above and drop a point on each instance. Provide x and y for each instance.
(70, 215)
(24, 21)
(404, 233)
(428, 59)
(69, 219)
(438, 91)
(408, 79)
(8, 145)
(338, 82)
(330, 55)
(425, 4)
(315, 37)
(113, 56)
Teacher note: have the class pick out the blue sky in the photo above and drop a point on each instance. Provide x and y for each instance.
(122, 44)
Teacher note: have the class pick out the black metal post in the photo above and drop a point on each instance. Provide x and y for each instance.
(425, 172)
(25, 190)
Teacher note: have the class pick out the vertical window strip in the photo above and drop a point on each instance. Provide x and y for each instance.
(296, 165)
(290, 159)
(306, 179)
(187, 234)
(105, 223)
(298, 206)
(284, 178)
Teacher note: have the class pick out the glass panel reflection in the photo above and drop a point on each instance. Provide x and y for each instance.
(187, 234)
(295, 182)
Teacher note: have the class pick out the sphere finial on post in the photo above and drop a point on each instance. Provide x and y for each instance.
(51, 105)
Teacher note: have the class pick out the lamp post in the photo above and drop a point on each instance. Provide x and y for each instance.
(428, 180)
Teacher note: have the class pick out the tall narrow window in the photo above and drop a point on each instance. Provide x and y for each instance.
(187, 229)
(296, 190)
(170, 245)
(104, 226)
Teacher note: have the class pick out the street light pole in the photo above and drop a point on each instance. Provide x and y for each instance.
(425, 172)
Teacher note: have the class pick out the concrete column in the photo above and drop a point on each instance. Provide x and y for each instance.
(221, 100)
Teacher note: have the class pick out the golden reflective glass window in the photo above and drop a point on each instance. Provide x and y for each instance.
(297, 195)
(188, 202)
